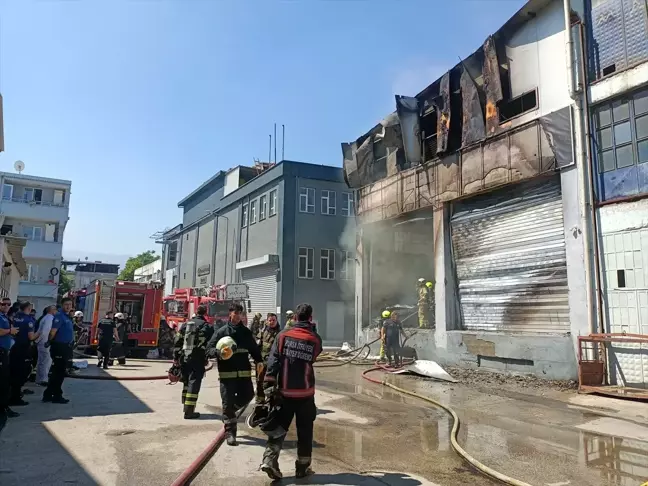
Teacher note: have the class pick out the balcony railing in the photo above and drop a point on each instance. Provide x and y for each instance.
(33, 202)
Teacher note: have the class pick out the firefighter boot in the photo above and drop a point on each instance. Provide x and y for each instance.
(190, 412)
(302, 467)
(270, 464)
(230, 431)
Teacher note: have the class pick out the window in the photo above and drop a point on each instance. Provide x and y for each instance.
(306, 267)
(32, 273)
(253, 212)
(348, 267)
(306, 200)
(244, 216)
(622, 133)
(33, 233)
(328, 202)
(7, 192)
(273, 202)
(517, 106)
(32, 194)
(348, 204)
(327, 264)
(59, 197)
(263, 207)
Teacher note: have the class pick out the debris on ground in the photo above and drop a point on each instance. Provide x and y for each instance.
(484, 378)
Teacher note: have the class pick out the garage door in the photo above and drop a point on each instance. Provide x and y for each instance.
(509, 253)
(262, 282)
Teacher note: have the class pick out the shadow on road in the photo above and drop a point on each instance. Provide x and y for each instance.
(351, 479)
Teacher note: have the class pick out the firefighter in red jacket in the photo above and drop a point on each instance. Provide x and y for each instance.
(289, 384)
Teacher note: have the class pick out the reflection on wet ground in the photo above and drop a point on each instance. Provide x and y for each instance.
(540, 441)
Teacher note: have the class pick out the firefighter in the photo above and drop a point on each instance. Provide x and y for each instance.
(119, 351)
(20, 355)
(289, 384)
(430, 296)
(107, 336)
(385, 315)
(423, 303)
(232, 345)
(78, 325)
(189, 351)
(290, 319)
(267, 338)
(7, 332)
(391, 333)
(257, 325)
(61, 341)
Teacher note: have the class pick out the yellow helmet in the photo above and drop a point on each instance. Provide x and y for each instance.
(386, 313)
(428, 285)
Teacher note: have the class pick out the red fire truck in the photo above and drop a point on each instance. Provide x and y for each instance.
(141, 304)
(180, 306)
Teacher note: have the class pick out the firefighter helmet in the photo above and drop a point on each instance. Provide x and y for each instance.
(119, 315)
(386, 313)
(78, 314)
(269, 423)
(428, 285)
(226, 347)
(174, 374)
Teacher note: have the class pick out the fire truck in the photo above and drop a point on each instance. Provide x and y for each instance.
(141, 304)
(182, 305)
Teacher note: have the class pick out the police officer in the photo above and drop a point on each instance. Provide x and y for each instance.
(267, 339)
(7, 331)
(107, 336)
(61, 342)
(20, 356)
(234, 373)
(290, 380)
(189, 351)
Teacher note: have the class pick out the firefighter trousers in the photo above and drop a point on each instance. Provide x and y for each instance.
(20, 367)
(235, 393)
(423, 316)
(104, 350)
(192, 376)
(304, 411)
(260, 395)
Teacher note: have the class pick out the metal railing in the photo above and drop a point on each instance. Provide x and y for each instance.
(34, 202)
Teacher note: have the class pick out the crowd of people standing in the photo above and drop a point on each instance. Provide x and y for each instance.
(42, 346)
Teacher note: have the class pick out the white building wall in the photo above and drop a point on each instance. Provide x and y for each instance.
(149, 273)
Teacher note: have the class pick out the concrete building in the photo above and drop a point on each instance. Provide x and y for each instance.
(12, 266)
(288, 231)
(170, 241)
(617, 92)
(87, 272)
(149, 273)
(36, 208)
(476, 182)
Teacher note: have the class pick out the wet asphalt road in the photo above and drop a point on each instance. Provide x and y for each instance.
(132, 433)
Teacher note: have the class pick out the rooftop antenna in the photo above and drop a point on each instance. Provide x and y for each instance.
(275, 146)
(283, 140)
(19, 165)
(270, 149)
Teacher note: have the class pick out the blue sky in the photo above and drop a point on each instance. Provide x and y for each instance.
(138, 102)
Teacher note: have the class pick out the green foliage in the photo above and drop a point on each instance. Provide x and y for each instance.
(66, 283)
(133, 263)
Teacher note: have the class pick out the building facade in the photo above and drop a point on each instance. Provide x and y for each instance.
(36, 208)
(287, 230)
(149, 273)
(87, 272)
(12, 266)
(477, 184)
(617, 92)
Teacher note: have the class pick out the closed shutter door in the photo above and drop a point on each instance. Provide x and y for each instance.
(262, 283)
(509, 252)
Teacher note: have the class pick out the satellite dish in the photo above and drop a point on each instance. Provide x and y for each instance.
(19, 165)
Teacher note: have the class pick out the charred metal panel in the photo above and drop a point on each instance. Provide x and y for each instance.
(473, 129)
(472, 171)
(492, 85)
(448, 174)
(443, 123)
(497, 162)
(351, 176)
(524, 153)
(557, 130)
(408, 114)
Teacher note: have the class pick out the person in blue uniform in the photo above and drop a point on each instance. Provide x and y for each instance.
(61, 342)
(7, 331)
(20, 355)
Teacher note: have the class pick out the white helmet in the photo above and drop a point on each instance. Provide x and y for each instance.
(226, 347)
(119, 315)
(289, 313)
(421, 280)
(78, 314)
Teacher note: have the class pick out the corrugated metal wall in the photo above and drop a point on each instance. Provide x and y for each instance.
(262, 282)
(509, 253)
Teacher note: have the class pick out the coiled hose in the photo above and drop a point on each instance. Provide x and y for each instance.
(453, 433)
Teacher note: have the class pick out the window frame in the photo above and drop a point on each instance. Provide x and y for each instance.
(331, 202)
(304, 196)
(245, 215)
(349, 207)
(330, 259)
(253, 211)
(308, 269)
(348, 260)
(263, 207)
(272, 203)
(11, 194)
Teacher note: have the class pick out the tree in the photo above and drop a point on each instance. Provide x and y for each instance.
(133, 263)
(66, 283)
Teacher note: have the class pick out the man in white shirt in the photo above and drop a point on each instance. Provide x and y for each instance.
(44, 358)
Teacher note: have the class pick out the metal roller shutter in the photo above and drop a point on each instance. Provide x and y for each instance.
(262, 282)
(509, 252)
